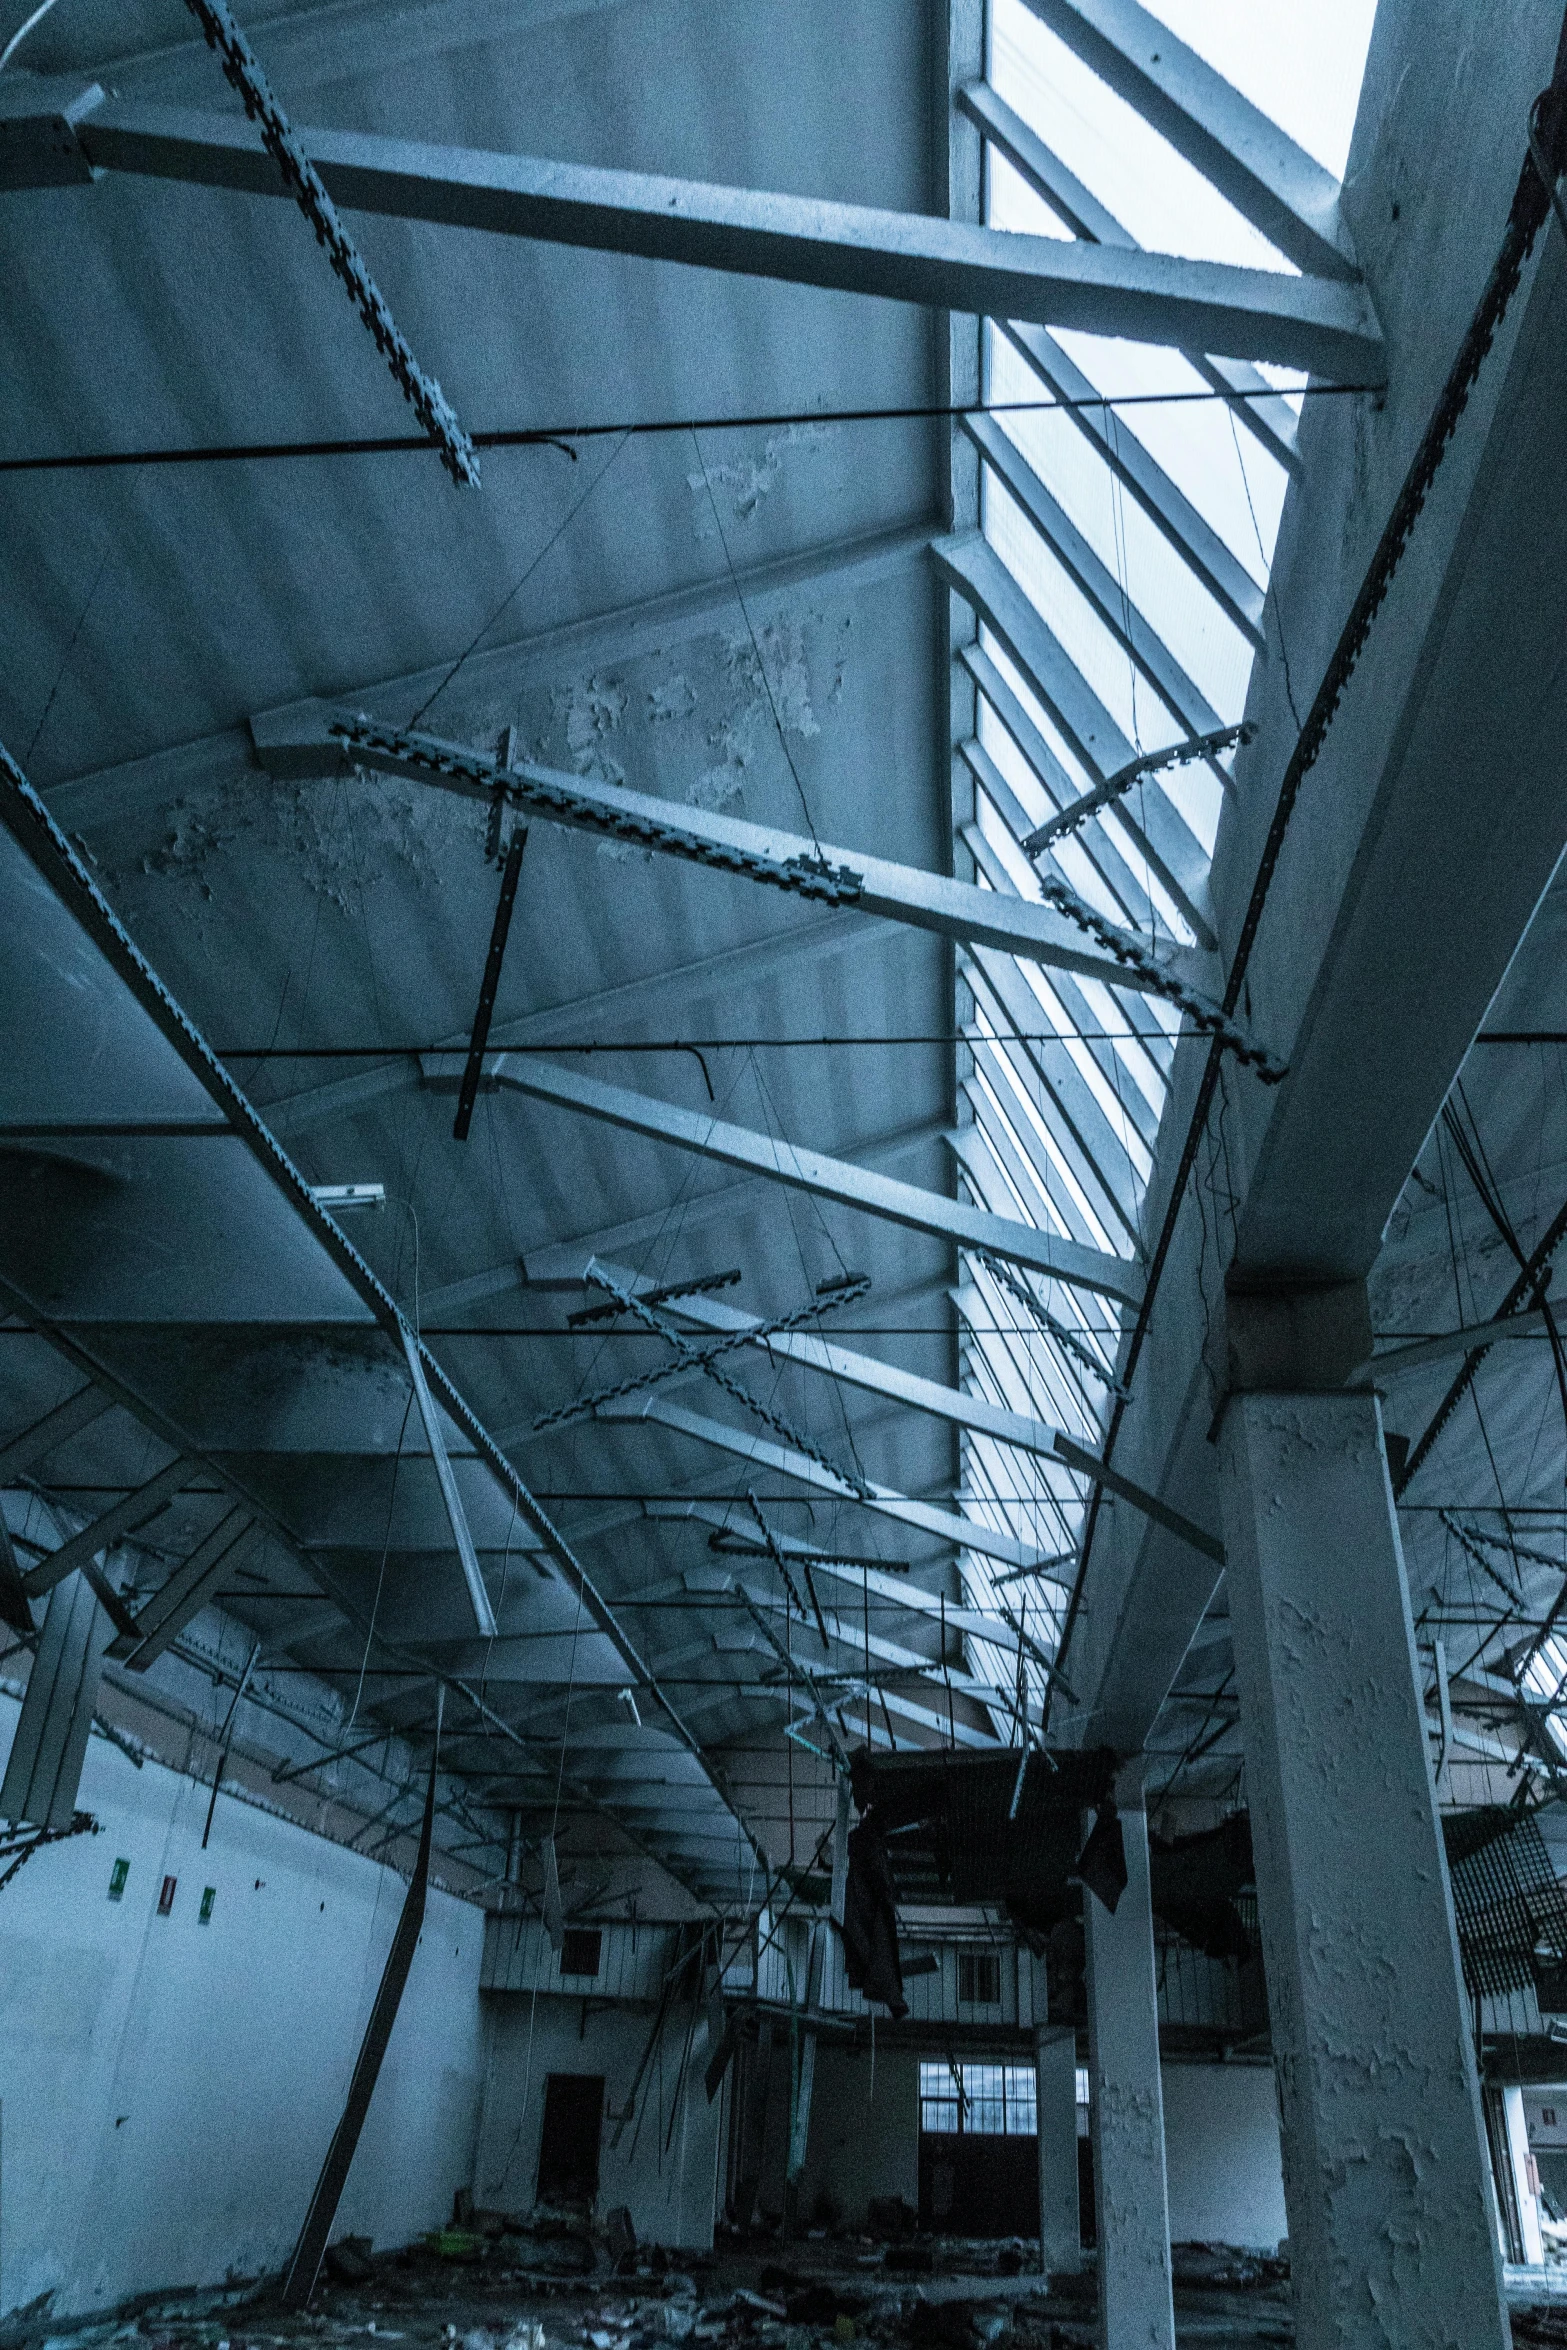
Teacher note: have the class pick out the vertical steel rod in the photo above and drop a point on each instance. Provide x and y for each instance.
(489, 986)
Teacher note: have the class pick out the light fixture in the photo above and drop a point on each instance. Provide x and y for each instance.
(336, 1197)
(628, 1699)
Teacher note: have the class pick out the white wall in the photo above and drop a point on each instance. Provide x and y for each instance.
(862, 2144)
(670, 2196)
(1222, 2157)
(1226, 2180)
(168, 2089)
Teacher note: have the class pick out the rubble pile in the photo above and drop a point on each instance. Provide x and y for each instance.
(556, 2280)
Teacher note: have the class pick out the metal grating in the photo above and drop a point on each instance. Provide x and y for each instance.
(1510, 1908)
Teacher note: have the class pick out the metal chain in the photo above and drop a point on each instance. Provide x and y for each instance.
(303, 181)
(694, 1357)
(1159, 979)
(775, 1553)
(807, 877)
(1116, 786)
(583, 1406)
(1469, 1539)
(1017, 1287)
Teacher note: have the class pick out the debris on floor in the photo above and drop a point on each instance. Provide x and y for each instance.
(553, 2280)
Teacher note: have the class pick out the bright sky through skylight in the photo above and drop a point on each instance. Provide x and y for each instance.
(1141, 543)
(1301, 61)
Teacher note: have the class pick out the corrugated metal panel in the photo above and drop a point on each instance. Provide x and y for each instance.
(633, 1960)
(933, 1998)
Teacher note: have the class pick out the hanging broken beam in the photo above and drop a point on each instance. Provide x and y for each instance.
(64, 131)
(446, 1478)
(44, 1767)
(511, 874)
(305, 2265)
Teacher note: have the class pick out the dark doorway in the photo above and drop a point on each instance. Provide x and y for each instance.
(979, 2186)
(569, 2140)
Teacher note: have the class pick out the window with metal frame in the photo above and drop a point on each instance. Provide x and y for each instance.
(977, 2100)
(979, 1978)
(1108, 576)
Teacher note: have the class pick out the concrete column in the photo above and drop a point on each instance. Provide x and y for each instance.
(1126, 2106)
(1391, 2236)
(1055, 2098)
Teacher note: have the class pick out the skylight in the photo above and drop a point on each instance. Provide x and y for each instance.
(1141, 538)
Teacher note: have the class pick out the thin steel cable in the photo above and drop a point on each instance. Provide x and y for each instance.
(554, 435)
(756, 648)
(81, 622)
(386, 1546)
(21, 33)
(519, 584)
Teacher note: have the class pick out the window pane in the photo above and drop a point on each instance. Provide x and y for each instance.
(985, 2110)
(939, 2091)
(1022, 2117)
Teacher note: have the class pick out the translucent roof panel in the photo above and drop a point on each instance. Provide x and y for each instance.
(1132, 495)
(1301, 64)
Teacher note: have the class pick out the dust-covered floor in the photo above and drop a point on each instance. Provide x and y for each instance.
(536, 2290)
(553, 2283)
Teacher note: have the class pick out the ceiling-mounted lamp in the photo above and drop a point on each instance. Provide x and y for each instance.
(628, 1698)
(336, 1197)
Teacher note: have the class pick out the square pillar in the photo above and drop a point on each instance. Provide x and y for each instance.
(1126, 2107)
(1391, 2233)
(1055, 2108)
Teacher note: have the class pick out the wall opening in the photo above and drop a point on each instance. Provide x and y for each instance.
(569, 2138)
(581, 1952)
